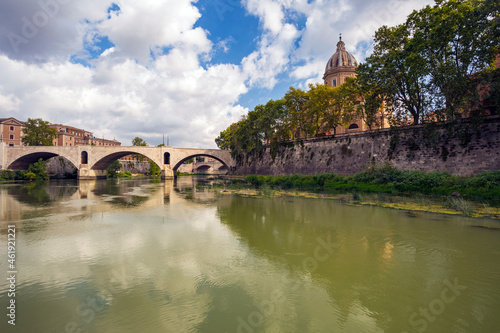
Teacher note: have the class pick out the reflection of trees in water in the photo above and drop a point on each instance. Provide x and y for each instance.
(121, 191)
(383, 257)
(286, 231)
(275, 227)
(34, 193)
(187, 188)
(227, 301)
(41, 194)
(34, 224)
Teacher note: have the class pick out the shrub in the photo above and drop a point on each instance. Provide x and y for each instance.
(19, 175)
(154, 169)
(113, 169)
(460, 205)
(39, 169)
(30, 176)
(125, 174)
(7, 174)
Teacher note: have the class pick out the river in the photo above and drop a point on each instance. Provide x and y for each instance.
(138, 255)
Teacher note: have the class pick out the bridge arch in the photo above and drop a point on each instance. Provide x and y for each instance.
(23, 161)
(203, 168)
(189, 156)
(103, 162)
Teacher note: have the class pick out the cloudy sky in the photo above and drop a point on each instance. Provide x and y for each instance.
(185, 69)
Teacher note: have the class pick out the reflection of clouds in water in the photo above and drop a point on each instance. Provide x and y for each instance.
(79, 203)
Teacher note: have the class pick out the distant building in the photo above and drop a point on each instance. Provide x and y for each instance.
(72, 136)
(11, 131)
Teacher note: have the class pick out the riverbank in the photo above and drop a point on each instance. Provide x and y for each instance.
(384, 186)
(386, 179)
(413, 205)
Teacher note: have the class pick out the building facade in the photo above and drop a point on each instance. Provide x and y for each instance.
(11, 131)
(72, 136)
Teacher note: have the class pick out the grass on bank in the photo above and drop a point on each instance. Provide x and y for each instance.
(386, 179)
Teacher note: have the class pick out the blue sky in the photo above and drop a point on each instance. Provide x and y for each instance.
(183, 68)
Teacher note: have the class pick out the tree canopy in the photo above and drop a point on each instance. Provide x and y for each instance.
(137, 141)
(299, 114)
(38, 132)
(427, 68)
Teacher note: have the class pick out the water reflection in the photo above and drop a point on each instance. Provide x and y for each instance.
(367, 259)
(138, 255)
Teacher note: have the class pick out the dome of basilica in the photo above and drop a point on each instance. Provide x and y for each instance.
(341, 58)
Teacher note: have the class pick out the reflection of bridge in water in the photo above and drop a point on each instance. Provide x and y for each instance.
(67, 196)
(91, 161)
(204, 166)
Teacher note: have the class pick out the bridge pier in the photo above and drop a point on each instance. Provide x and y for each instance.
(167, 173)
(85, 173)
(3, 146)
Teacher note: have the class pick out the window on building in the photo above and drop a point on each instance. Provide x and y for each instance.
(11, 136)
(353, 126)
(12, 128)
(334, 82)
(11, 144)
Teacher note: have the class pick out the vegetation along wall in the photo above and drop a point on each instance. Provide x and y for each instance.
(461, 150)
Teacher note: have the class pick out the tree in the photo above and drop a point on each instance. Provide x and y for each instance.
(154, 169)
(457, 39)
(113, 169)
(37, 132)
(365, 100)
(140, 143)
(38, 170)
(137, 141)
(319, 99)
(398, 73)
(295, 100)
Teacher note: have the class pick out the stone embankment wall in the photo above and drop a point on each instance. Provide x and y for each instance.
(413, 148)
(135, 167)
(60, 166)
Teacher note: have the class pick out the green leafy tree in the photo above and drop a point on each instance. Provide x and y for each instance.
(113, 168)
(138, 142)
(298, 122)
(456, 38)
(398, 73)
(154, 169)
(365, 100)
(38, 132)
(319, 99)
(38, 171)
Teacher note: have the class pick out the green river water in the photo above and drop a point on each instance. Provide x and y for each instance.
(136, 255)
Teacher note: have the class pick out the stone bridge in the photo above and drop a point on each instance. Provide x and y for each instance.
(92, 161)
